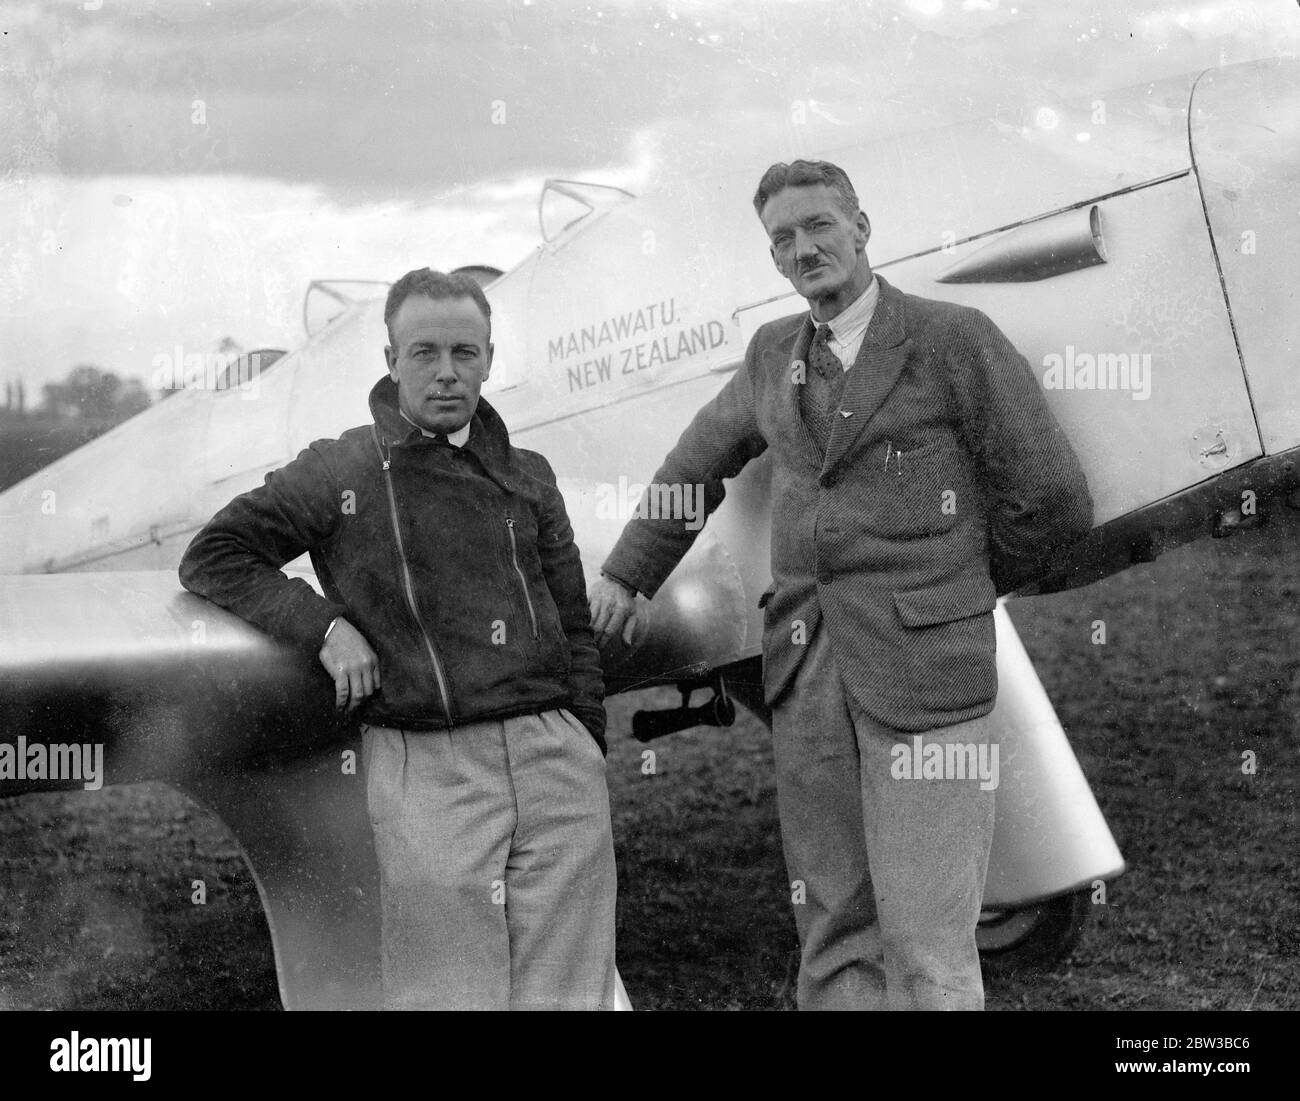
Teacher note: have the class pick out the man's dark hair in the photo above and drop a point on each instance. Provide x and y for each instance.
(437, 285)
(807, 174)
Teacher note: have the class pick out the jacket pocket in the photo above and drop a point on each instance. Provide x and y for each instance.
(968, 595)
(543, 630)
(949, 642)
(918, 492)
(519, 573)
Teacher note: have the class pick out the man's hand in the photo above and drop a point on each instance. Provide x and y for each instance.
(613, 609)
(348, 658)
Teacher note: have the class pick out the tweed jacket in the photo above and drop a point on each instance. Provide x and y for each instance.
(946, 481)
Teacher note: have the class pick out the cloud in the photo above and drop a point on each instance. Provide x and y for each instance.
(1228, 21)
(110, 271)
(178, 169)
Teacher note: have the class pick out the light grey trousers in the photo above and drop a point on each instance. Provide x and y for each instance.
(496, 862)
(887, 872)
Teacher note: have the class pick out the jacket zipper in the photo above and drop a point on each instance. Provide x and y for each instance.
(409, 586)
(523, 581)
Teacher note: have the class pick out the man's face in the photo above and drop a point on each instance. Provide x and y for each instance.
(815, 245)
(439, 358)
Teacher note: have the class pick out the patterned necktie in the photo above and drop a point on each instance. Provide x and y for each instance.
(825, 385)
(824, 361)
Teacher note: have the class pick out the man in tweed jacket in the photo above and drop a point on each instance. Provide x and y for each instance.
(917, 473)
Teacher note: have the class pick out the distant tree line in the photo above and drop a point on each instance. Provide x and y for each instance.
(89, 394)
(73, 412)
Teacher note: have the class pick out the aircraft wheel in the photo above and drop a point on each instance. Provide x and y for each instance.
(1032, 938)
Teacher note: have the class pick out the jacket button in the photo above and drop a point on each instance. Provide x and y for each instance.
(828, 480)
(825, 577)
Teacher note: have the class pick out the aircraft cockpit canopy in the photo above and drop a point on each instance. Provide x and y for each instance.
(565, 203)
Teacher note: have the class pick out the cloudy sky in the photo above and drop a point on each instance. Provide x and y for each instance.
(175, 171)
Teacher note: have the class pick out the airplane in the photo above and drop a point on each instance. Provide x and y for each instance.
(1131, 248)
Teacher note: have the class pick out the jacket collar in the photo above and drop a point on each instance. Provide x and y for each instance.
(879, 363)
(489, 439)
(886, 330)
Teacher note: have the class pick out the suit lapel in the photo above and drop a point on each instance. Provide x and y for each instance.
(879, 363)
(796, 360)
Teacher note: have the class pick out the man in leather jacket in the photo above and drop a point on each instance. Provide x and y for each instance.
(455, 624)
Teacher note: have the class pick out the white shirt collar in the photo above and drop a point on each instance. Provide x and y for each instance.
(456, 439)
(851, 323)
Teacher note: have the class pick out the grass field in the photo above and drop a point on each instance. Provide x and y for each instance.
(1201, 664)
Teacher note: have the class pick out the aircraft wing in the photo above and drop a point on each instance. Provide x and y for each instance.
(160, 684)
